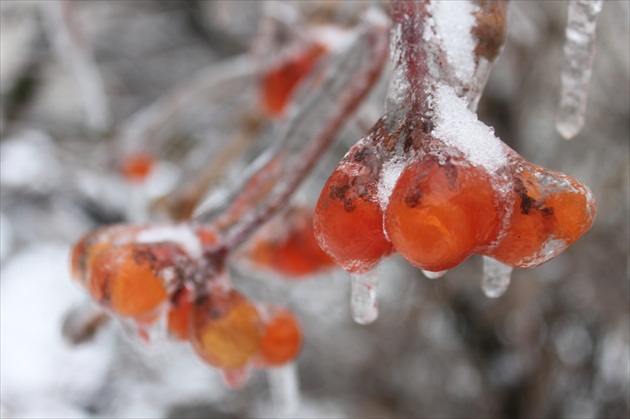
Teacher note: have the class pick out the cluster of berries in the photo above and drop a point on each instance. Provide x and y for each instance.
(443, 208)
(148, 275)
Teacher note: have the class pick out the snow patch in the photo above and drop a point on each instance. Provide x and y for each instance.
(454, 21)
(181, 234)
(459, 127)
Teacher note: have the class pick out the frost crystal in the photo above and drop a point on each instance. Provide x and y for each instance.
(496, 277)
(363, 296)
(577, 64)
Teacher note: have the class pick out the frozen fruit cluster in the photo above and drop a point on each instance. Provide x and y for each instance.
(147, 274)
(437, 202)
(432, 182)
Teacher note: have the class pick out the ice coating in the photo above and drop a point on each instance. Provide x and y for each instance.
(363, 296)
(577, 64)
(285, 389)
(459, 127)
(181, 234)
(454, 21)
(550, 249)
(496, 277)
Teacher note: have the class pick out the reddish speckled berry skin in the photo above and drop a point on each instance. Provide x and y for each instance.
(349, 221)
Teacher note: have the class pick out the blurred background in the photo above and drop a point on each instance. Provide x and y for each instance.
(84, 84)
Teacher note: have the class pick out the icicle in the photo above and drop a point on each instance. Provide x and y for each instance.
(363, 291)
(434, 275)
(579, 50)
(285, 390)
(496, 277)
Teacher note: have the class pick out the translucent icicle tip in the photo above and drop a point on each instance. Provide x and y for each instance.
(284, 387)
(363, 293)
(496, 277)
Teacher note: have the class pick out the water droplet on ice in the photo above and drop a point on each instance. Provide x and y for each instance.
(434, 275)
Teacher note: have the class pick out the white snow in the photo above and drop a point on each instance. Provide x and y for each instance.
(37, 365)
(454, 21)
(181, 234)
(458, 127)
(27, 160)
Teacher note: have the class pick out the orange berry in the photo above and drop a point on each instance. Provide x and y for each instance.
(550, 212)
(438, 214)
(288, 245)
(137, 166)
(226, 330)
(123, 279)
(279, 82)
(281, 340)
(349, 221)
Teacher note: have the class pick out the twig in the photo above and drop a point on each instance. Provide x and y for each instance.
(332, 97)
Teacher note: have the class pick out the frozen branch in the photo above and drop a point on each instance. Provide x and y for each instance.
(331, 98)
